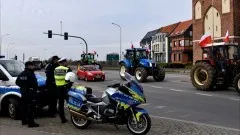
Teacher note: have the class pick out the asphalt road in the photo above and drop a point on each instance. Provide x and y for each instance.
(176, 98)
(175, 107)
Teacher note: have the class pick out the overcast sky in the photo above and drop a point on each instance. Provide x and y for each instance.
(26, 20)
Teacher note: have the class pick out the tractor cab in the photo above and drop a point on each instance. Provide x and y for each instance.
(88, 59)
(219, 67)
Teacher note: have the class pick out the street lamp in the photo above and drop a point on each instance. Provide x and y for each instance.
(1, 42)
(8, 49)
(120, 40)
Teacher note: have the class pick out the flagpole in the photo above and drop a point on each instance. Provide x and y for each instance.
(213, 26)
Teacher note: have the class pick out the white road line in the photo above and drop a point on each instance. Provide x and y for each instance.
(170, 111)
(176, 90)
(235, 99)
(157, 87)
(183, 116)
(191, 122)
(202, 94)
(144, 104)
(160, 107)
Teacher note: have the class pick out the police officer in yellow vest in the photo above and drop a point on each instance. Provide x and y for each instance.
(62, 86)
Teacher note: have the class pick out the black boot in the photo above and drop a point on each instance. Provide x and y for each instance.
(33, 125)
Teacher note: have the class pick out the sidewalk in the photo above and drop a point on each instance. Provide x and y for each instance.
(11, 130)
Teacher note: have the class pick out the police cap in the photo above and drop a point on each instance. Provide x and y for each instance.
(29, 63)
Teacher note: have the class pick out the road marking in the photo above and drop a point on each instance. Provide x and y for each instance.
(196, 123)
(156, 87)
(176, 90)
(144, 104)
(184, 116)
(170, 111)
(160, 107)
(235, 99)
(202, 94)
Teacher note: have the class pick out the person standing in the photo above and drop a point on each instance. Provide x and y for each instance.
(51, 86)
(28, 84)
(62, 86)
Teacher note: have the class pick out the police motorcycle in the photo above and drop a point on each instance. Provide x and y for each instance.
(118, 106)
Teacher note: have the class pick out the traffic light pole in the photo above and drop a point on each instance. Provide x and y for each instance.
(72, 37)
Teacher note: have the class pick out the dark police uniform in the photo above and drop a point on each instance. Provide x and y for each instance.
(28, 86)
(62, 88)
(51, 86)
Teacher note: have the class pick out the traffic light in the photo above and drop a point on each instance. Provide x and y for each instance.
(15, 57)
(65, 36)
(49, 34)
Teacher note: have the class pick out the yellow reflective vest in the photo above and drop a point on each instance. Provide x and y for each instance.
(59, 75)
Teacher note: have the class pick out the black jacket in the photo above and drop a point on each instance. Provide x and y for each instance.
(50, 73)
(27, 80)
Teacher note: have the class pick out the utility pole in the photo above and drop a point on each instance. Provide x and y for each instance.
(23, 57)
(61, 26)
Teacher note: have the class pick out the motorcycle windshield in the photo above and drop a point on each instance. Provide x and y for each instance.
(137, 91)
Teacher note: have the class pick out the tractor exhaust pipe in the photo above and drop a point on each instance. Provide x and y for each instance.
(81, 115)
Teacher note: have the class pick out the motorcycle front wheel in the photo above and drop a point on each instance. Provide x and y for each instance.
(139, 128)
(80, 122)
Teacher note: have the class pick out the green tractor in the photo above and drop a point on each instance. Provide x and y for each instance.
(89, 59)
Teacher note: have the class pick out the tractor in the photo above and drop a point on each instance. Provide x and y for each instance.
(89, 59)
(219, 67)
(136, 63)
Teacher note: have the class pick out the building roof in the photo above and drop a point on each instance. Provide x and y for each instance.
(181, 28)
(168, 29)
(150, 34)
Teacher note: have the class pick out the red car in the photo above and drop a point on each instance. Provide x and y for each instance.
(90, 73)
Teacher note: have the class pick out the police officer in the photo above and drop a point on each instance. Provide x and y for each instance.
(51, 85)
(28, 86)
(62, 85)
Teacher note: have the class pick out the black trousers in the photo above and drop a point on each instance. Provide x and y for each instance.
(52, 90)
(62, 95)
(28, 106)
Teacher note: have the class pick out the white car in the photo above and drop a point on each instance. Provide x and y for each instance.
(10, 93)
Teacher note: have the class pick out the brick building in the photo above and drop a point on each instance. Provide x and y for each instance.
(181, 43)
(215, 16)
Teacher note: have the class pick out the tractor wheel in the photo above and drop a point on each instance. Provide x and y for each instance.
(159, 75)
(141, 74)
(123, 69)
(203, 76)
(236, 83)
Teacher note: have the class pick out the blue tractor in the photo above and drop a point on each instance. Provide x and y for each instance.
(138, 64)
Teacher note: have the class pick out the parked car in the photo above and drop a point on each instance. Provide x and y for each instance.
(90, 73)
(10, 93)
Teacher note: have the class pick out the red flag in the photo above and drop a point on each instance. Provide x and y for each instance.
(206, 39)
(95, 52)
(132, 45)
(226, 39)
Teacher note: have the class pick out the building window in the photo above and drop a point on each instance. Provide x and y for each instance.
(180, 43)
(163, 38)
(225, 6)
(216, 28)
(191, 33)
(179, 57)
(217, 14)
(186, 42)
(175, 43)
(171, 44)
(191, 43)
(198, 10)
(174, 57)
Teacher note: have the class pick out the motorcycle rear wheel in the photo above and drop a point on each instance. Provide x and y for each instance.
(80, 122)
(139, 128)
